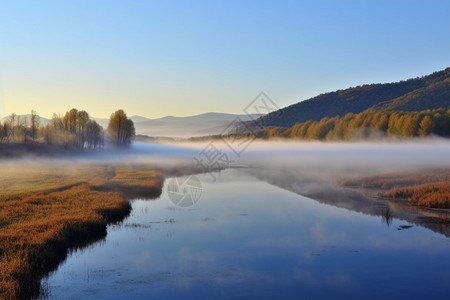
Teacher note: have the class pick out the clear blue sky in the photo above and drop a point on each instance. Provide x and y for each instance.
(157, 58)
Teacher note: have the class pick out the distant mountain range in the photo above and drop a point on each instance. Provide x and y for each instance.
(183, 127)
(427, 92)
(26, 119)
(174, 127)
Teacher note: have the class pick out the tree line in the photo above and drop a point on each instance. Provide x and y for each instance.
(365, 125)
(75, 130)
(416, 94)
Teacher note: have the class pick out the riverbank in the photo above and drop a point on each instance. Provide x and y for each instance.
(424, 187)
(45, 211)
(331, 190)
(420, 196)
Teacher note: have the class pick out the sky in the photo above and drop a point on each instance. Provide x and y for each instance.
(181, 58)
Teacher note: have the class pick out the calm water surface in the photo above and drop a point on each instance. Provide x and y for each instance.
(248, 239)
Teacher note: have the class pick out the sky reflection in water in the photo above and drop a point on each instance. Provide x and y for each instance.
(246, 239)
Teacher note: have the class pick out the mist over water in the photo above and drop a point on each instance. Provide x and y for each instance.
(247, 239)
(273, 201)
(308, 156)
(316, 160)
(328, 159)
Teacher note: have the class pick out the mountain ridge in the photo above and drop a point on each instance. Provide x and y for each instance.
(427, 92)
(170, 126)
(182, 127)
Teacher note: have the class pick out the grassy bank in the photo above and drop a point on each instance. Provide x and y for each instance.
(44, 211)
(427, 187)
(435, 195)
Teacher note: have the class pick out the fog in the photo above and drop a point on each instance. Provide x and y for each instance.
(316, 157)
(327, 159)
(347, 158)
(305, 168)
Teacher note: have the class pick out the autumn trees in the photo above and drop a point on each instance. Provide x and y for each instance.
(121, 131)
(75, 130)
(366, 125)
(426, 126)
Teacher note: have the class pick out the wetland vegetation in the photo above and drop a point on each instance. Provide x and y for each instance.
(45, 210)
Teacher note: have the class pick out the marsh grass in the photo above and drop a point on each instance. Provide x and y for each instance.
(436, 195)
(427, 187)
(44, 211)
(133, 182)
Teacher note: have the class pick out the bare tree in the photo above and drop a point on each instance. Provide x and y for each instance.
(12, 124)
(57, 122)
(12, 120)
(34, 126)
(5, 132)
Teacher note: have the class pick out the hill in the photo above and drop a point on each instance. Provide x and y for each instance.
(367, 125)
(169, 126)
(182, 127)
(26, 119)
(427, 92)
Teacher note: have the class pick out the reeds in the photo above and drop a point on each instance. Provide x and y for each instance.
(428, 187)
(58, 209)
(436, 195)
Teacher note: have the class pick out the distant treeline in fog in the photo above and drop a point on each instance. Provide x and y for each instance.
(370, 124)
(75, 130)
(366, 125)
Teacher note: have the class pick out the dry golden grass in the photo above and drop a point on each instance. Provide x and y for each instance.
(44, 211)
(435, 195)
(428, 187)
(399, 179)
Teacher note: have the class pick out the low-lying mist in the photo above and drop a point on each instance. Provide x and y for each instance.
(327, 159)
(311, 169)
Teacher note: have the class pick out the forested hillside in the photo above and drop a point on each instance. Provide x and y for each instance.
(366, 125)
(427, 92)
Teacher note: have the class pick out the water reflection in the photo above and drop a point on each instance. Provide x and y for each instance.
(319, 186)
(386, 216)
(247, 239)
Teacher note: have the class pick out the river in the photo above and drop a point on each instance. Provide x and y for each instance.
(246, 238)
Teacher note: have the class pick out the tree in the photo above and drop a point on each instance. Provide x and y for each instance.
(12, 125)
(382, 123)
(120, 130)
(2, 133)
(19, 129)
(410, 124)
(57, 122)
(94, 135)
(70, 126)
(5, 132)
(34, 126)
(82, 123)
(426, 126)
(12, 120)
(45, 133)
